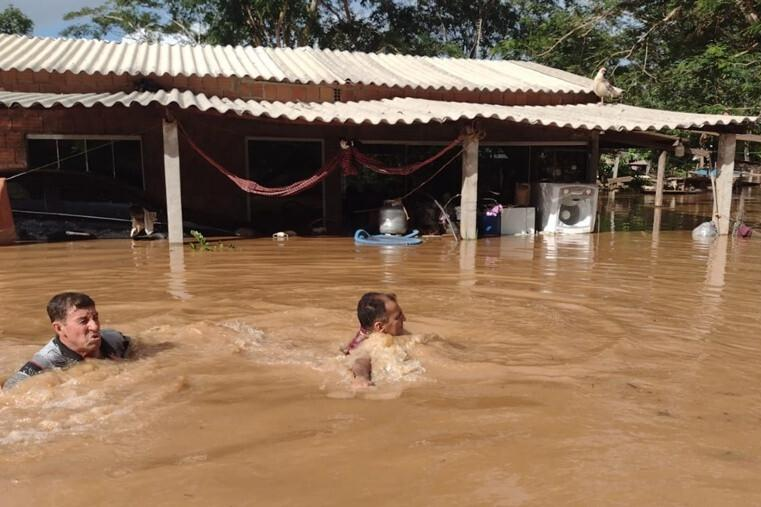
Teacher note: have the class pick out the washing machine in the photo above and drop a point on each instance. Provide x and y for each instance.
(566, 208)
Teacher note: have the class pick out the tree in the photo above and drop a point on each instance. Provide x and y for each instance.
(697, 55)
(13, 21)
(427, 27)
(141, 20)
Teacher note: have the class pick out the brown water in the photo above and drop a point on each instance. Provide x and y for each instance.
(606, 369)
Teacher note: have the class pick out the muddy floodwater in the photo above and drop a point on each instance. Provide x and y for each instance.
(618, 368)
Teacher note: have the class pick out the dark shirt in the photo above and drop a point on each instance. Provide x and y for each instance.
(113, 345)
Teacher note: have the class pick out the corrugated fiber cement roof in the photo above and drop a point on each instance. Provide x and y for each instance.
(300, 65)
(611, 117)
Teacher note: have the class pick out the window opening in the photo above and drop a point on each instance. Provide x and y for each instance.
(119, 159)
(276, 163)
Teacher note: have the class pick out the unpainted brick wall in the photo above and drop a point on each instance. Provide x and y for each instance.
(251, 89)
(16, 124)
(231, 87)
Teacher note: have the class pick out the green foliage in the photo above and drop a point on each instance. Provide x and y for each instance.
(141, 20)
(426, 27)
(696, 55)
(202, 244)
(13, 21)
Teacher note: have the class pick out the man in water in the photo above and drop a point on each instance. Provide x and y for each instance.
(377, 313)
(77, 337)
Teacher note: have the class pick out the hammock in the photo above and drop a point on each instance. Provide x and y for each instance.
(348, 159)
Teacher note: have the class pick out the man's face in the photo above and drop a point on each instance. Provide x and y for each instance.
(394, 324)
(80, 331)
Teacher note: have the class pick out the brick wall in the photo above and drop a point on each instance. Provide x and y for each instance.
(14, 123)
(17, 124)
(245, 88)
(46, 82)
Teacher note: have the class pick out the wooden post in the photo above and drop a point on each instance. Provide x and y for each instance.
(616, 163)
(716, 266)
(656, 223)
(659, 179)
(469, 192)
(726, 169)
(7, 227)
(593, 168)
(172, 182)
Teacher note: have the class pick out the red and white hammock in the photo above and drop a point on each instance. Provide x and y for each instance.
(347, 159)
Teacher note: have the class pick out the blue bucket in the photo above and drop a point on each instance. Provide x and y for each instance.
(489, 225)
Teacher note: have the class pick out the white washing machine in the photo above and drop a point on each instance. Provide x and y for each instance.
(567, 208)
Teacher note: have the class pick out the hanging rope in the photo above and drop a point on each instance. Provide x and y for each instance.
(375, 165)
(443, 166)
(253, 187)
(348, 159)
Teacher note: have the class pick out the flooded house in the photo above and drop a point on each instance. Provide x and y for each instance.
(269, 139)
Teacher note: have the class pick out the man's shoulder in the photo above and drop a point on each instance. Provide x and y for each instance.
(51, 356)
(114, 344)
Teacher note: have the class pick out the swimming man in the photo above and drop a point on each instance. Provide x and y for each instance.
(77, 337)
(377, 313)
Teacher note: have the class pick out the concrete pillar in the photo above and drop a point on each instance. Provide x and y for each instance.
(723, 191)
(172, 182)
(7, 227)
(467, 276)
(659, 179)
(177, 285)
(593, 168)
(469, 192)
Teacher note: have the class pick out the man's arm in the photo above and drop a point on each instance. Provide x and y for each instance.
(115, 345)
(28, 370)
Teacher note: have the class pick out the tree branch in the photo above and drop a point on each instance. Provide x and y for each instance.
(746, 7)
(347, 11)
(589, 23)
(252, 25)
(642, 38)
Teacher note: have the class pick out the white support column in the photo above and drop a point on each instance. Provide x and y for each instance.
(659, 179)
(469, 192)
(593, 167)
(172, 182)
(726, 168)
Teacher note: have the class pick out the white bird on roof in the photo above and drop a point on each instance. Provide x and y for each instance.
(603, 88)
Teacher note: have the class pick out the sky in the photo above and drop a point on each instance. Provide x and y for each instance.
(48, 14)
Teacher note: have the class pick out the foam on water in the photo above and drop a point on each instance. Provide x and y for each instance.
(127, 395)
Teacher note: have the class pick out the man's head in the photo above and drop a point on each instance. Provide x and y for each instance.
(75, 322)
(381, 313)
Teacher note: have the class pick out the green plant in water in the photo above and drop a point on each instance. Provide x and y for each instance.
(202, 244)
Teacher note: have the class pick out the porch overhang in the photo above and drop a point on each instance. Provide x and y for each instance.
(608, 125)
(613, 118)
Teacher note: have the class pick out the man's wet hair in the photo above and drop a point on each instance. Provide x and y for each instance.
(372, 308)
(60, 304)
